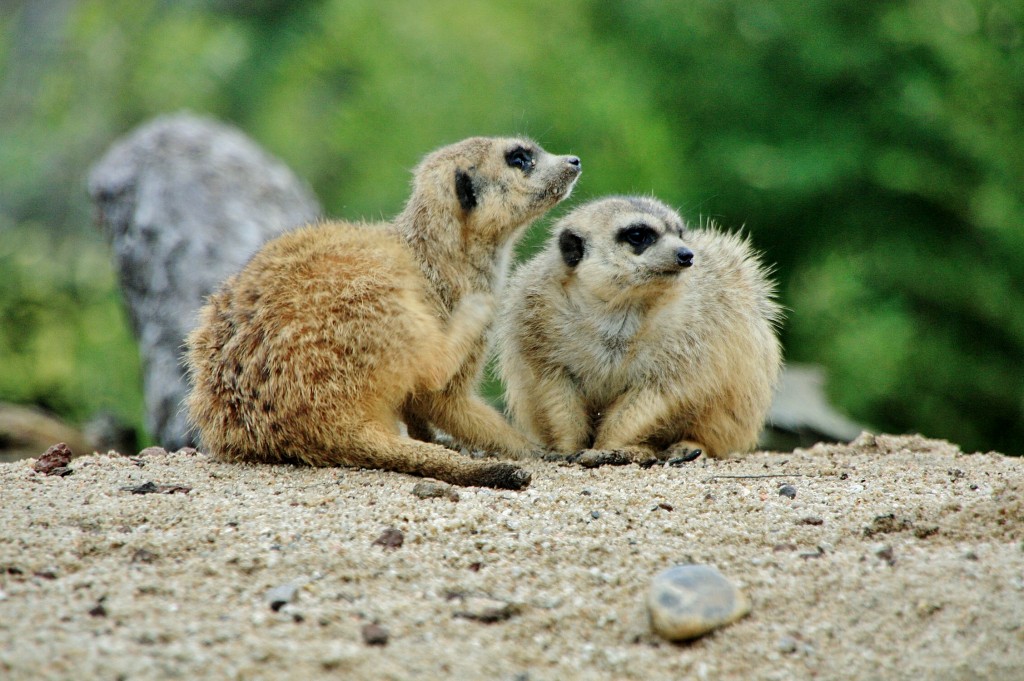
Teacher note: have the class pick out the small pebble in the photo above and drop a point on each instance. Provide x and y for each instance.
(787, 644)
(687, 601)
(153, 488)
(788, 491)
(375, 635)
(153, 451)
(54, 461)
(887, 524)
(391, 538)
(431, 489)
(282, 595)
(486, 610)
(925, 531)
(595, 514)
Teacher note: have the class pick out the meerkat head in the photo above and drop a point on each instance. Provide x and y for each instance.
(623, 245)
(493, 185)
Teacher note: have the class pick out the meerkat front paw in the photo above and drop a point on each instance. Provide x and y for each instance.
(683, 452)
(473, 313)
(502, 476)
(483, 303)
(592, 458)
(676, 455)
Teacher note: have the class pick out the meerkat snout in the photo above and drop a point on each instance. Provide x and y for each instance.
(684, 257)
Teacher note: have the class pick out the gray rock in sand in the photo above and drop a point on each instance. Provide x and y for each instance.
(282, 595)
(687, 601)
(185, 201)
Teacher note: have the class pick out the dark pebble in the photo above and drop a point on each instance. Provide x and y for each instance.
(54, 461)
(391, 538)
(925, 531)
(153, 488)
(788, 491)
(886, 524)
(375, 635)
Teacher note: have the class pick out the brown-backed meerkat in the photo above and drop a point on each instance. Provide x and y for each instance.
(335, 332)
(632, 337)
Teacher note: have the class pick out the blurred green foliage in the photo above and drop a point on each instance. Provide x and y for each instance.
(873, 151)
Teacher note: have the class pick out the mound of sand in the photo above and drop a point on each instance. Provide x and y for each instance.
(898, 558)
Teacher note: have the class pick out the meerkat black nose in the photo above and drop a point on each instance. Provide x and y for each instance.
(573, 161)
(684, 257)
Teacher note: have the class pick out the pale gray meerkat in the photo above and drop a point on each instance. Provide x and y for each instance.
(335, 332)
(634, 337)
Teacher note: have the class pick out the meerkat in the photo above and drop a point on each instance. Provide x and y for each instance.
(632, 337)
(335, 332)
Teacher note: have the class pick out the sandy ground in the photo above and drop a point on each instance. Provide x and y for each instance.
(99, 583)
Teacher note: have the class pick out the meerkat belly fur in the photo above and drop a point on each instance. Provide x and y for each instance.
(634, 334)
(335, 332)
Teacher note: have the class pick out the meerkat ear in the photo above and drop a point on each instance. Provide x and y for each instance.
(571, 246)
(465, 190)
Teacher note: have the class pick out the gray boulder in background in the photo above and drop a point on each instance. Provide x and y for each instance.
(185, 201)
(801, 414)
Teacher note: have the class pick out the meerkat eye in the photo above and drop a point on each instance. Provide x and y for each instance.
(521, 158)
(638, 236)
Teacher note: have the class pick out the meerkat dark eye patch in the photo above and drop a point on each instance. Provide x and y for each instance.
(520, 157)
(639, 236)
(465, 190)
(571, 246)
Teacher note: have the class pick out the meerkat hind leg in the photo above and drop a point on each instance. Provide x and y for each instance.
(417, 427)
(558, 414)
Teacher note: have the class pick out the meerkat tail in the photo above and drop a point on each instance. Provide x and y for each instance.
(376, 449)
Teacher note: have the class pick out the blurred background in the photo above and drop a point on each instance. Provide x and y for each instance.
(873, 151)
